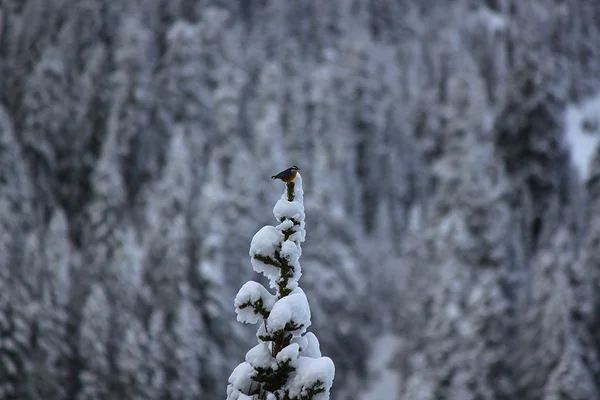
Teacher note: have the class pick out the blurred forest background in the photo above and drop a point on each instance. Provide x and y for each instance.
(444, 206)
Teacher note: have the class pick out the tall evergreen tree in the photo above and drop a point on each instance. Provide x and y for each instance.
(467, 319)
(586, 279)
(556, 334)
(93, 348)
(287, 362)
(49, 348)
(17, 293)
(133, 113)
(529, 135)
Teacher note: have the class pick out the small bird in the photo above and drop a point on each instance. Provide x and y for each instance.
(287, 175)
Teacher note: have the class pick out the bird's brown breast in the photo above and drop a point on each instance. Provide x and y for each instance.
(289, 177)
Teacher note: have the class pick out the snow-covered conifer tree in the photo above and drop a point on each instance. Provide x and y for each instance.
(287, 363)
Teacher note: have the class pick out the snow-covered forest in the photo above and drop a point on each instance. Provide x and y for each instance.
(451, 185)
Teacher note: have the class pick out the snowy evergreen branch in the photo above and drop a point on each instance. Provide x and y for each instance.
(287, 363)
(290, 190)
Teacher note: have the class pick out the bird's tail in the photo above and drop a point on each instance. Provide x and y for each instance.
(273, 177)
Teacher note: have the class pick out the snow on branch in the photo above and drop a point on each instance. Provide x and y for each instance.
(287, 363)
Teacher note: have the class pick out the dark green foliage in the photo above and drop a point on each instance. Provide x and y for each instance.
(271, 379)
(289, 187)
(258, 307)
(287, 271)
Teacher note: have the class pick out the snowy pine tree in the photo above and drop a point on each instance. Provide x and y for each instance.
(587, 281)
(460, 350)
(49, 348)
(287, 363)
(16, 301)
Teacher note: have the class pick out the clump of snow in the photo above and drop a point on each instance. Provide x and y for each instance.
(292, 309)
(583, 133)
(289, 353)
(285, 225)
(289, 209)
(298, 192)
(240, 381)
(261, 331)
(309, 372)
(247, 300)
(294, 212)
(265, 241)
(309, 345)
(260, 356)
(291, 252)
(312, 348)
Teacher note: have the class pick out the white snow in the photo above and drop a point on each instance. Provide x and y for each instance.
(495, 21)
(237, 395)
(288, 209)
(269, 239)
(260, 356)
(265, 242)
(287, 224)
(292, 210)
(583, 142)
(311, 347)
(261, 331)
(291, 251)
(289, 353)
(252, 292)
(301, 341)
(309, 371)
(385, 386)
(298, 191)
(292, 308)
(240, 381)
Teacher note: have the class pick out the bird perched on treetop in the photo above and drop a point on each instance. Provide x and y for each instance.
(287, 175)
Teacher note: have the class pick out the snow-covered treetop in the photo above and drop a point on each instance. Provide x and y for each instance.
(287, 362)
